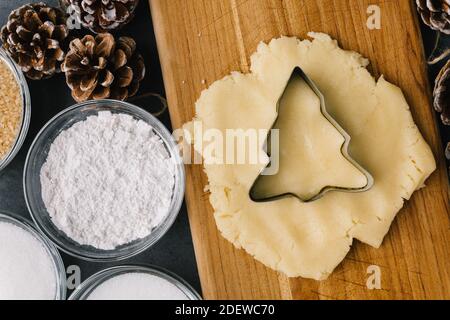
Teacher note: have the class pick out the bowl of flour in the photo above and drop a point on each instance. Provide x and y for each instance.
(104, 180)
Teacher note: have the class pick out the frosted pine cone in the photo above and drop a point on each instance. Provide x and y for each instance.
(435, 14)
(442, 94)
(101, 67)
(103, 15)
(34, 37)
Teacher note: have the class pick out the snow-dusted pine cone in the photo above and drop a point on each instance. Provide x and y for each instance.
(436, 14)
(103, 15)
(442, 94)
(101, 67)
(34, 37)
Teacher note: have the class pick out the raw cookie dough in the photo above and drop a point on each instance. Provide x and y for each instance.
(310, 157)
(310, 240)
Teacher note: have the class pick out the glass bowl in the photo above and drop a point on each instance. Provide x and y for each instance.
(26, 109)
(37, 156)
(87, 287)
(60, 271)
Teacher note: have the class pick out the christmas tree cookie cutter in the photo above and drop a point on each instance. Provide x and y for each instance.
(259, 197)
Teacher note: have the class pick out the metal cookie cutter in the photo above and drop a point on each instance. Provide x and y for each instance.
(260, 197)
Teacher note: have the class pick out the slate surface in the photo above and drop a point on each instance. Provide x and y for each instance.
(175, 251)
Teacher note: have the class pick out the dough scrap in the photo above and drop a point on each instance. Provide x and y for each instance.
(310, 239)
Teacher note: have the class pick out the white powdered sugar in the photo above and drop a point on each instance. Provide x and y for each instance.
(108, 181)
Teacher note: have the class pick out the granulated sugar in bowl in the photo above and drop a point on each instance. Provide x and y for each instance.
(30, 266)
(104, 180)
(134, 283)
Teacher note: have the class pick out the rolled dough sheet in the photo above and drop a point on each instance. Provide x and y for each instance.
(311, 239)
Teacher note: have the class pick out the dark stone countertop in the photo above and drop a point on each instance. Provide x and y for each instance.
(175, 251)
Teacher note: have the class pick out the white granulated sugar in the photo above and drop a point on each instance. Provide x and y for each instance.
(27, 271)
(108, 181)
(137, 286)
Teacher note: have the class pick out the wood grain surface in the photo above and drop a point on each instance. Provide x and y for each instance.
(201, 41)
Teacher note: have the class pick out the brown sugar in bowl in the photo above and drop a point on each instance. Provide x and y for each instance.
(15, 109)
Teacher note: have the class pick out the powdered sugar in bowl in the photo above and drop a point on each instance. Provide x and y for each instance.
(104, 180)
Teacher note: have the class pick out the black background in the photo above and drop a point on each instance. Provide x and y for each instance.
(175, 251)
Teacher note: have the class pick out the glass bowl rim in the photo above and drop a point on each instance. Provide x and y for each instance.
(85, 288)
(60, 270)
(145, 243)
(26, 109)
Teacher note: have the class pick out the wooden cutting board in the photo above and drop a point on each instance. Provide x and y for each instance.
(201, 41)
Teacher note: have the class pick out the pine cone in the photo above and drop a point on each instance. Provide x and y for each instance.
(436, 14)
(34, 37)
(101, 67)
(442, 94)
(103, 15)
